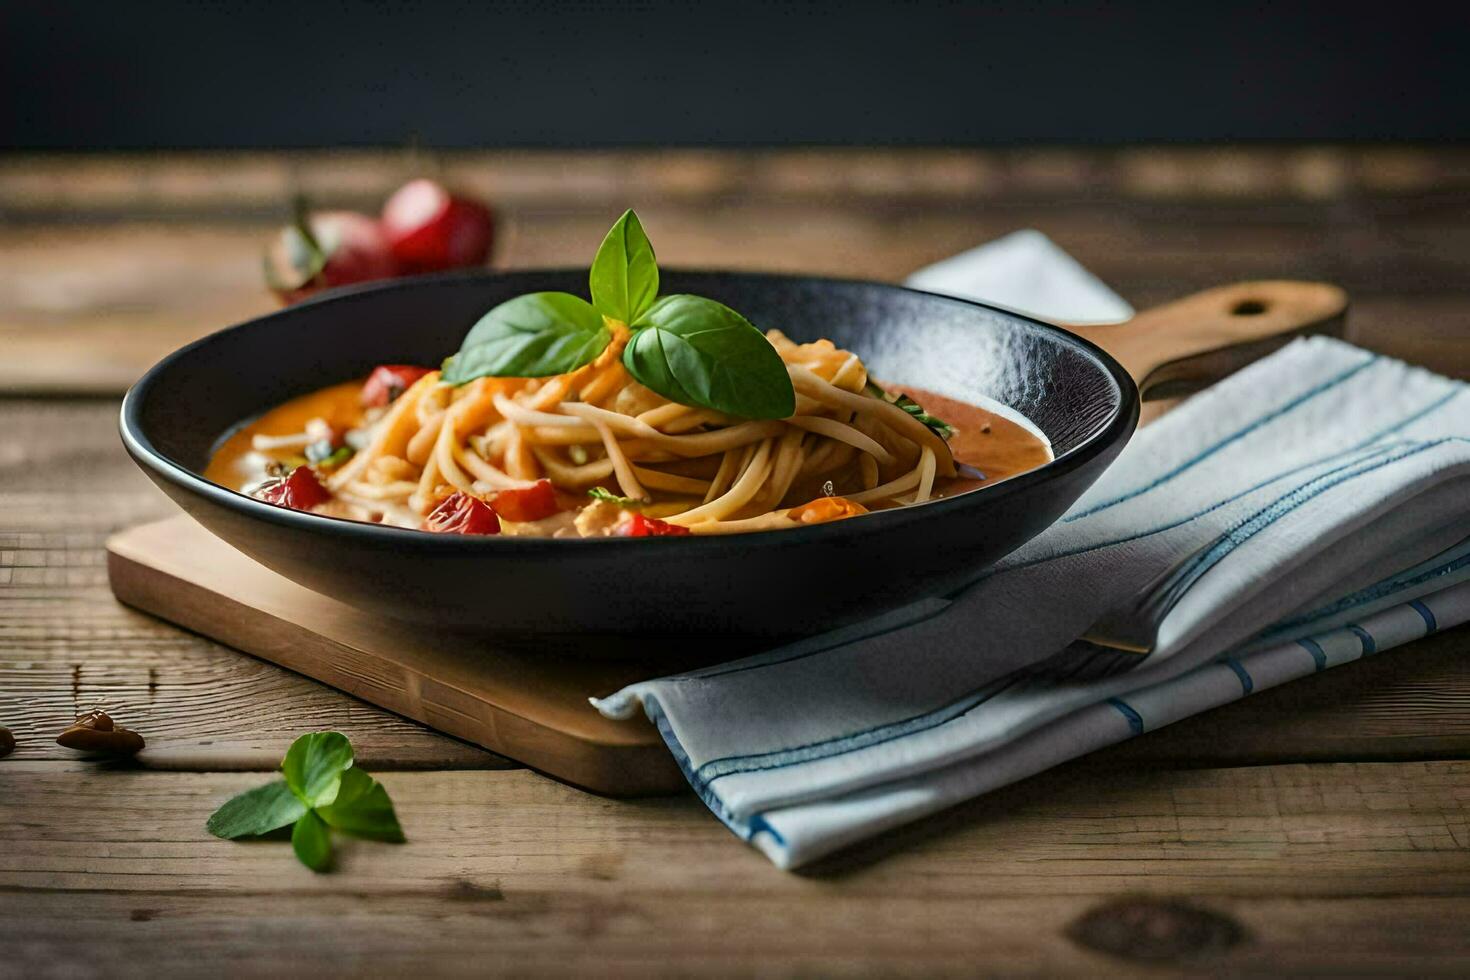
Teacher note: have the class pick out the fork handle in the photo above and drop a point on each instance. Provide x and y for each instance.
(1185, 345)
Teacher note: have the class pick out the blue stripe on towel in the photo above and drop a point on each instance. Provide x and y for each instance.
(853, 741)
(1235, 436)
(863, 738)
(890, 622)
(825, 642)
(1299, 496)
(1315, 649)
(1430, 623)
(1246, 684)
(1410, 419)
(1365, 638)
(655, 713)
(1135, 720)
(1370, 594)
(1085, 549)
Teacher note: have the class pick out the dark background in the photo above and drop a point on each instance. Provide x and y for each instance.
(163, 73)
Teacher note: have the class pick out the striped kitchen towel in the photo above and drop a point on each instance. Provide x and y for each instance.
(1322, 496)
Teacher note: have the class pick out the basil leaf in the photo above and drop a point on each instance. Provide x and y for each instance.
(698, 352)
(311, 842)
(607, 496)
(362, 807)
(624, 278)
(936, 425)
(256, 811)
(531, 336)
(314, 765)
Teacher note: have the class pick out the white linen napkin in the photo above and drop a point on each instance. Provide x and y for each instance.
(1025, 271)
(1322, 494)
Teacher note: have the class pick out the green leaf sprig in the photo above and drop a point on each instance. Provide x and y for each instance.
(607, 496)
(690, 349)
(319, 791)
(936, 425)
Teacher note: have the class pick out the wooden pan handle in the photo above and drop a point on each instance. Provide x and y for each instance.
(1185, 345)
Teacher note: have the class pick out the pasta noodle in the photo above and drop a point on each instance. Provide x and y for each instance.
(847, 448)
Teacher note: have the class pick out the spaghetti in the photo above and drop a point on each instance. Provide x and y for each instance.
(636, 414)
(846, 449)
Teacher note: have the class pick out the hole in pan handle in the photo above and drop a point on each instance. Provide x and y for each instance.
(1185, 345)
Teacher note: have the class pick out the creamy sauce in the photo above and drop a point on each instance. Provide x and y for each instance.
(991, 443)
(236, 465)
(986, 440)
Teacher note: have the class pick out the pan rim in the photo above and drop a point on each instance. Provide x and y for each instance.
(1117, 426)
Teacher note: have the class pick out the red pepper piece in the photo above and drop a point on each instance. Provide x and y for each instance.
(388, 381)
(639, 526)
(527, 504)
(299, 491)
(462, 514)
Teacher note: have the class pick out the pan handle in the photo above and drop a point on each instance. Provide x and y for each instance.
(1183, 346)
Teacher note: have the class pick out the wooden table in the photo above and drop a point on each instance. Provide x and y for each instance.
(1320, 826)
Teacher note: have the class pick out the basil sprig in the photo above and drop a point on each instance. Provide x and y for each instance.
(689, 349)
(607, 496)
(936, 425)
(319, 789)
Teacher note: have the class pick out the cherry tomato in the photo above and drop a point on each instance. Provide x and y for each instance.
(429, 229)
(639, 526)
(528, 504)
(388, 381)
(299, 491)
(462, 514)
(326, 249)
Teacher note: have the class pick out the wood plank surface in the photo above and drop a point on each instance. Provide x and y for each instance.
(66, 645)
(528, 702)
(1337, 865)
(1322, 868)
(112, 262)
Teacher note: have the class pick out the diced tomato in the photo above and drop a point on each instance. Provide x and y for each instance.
(527, 504)
(462, 514)
(639, 526)
(388, 381)
(299, 491)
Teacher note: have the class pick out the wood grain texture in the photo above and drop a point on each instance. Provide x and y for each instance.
(1323, 867)
(111, 262)
(1192, 342)
(526, 702)
(66, 645)
(106, 263)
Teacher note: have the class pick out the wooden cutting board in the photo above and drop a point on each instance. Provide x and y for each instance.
(530, 708)
(531, 705)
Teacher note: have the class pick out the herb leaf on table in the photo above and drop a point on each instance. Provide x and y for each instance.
(257, 811)
(314, 765)
(320, 792)
(362, 808)
(311, 842)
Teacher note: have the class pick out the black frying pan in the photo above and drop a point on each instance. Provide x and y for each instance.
(772, 584)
